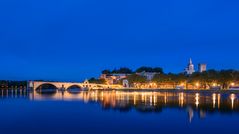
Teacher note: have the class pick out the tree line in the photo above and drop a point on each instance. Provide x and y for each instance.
(207, 79)
(125, 70)
(8, 84)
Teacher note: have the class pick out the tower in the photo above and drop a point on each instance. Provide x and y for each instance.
(190, 68)
(202, 67)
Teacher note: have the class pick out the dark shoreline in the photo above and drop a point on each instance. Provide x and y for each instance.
(150, 90)
(173, 90)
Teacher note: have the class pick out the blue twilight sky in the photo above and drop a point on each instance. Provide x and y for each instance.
(72, 40)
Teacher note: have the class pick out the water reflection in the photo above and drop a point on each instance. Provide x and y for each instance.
(146, 102)
(197, 99)
(232, 97)
(14, 93)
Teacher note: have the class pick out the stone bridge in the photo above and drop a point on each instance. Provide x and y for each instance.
(67, 85)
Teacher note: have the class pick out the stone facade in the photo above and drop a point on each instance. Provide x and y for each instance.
(190, 68)
(149, 75)
(202, 67)
(113, 78)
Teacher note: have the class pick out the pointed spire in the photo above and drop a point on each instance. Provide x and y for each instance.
(190, 61)
(190, 68)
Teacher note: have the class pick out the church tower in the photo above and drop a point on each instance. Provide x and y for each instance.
(190, 68)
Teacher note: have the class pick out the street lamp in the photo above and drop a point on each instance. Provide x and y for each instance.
(214, 84)
(232, 84)
(197, 84)
(182, 84)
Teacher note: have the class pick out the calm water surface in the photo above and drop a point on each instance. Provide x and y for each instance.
(118, 112)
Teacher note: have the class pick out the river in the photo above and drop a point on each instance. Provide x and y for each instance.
(118, 112)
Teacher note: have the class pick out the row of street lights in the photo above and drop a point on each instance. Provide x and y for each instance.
(182, 85)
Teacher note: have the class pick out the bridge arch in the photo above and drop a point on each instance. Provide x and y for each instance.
(46, 85)
(74, 89)
(74, 86)
(46, 89)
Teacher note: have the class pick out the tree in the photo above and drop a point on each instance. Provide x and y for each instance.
(122, 70)
(106, 71)
(161, 78)
(149, 69)
(3, 84)
(134, 78)
(209, 77)
(144, 69)
(197, 77)
(169, 78)
(179, 78)
(158, 70)
(226, 77)
(97, 81)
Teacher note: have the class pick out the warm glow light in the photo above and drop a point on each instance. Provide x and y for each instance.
(232, 97)
(181, 99)
(218, 100)
(155, 99)
(134, 99)
(142, 97)
(182, 84)
(214, 100)
(232, 84)
(165, 98)
(197, 84)
(214, 84)
(151, 100)
(197, 99)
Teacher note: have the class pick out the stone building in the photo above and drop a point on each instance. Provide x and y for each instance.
(190, 68)
(113, 78)
(149, 75)
(202, 67)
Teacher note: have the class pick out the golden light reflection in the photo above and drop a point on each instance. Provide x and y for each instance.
(218, 100)
(165, 98)
(142, 97)
(102, 96)
(145, 99)
(232, 97)
(181, 99)
(197, 99)
(155, 99)
(148, 101)
(214, 100)
(151, 100)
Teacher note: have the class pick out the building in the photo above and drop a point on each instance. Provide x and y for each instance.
(202, 67)
(190, 68)
(126, 83)
(113, 78)
(149, 75)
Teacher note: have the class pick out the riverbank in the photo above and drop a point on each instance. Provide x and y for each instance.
(146, 90)
(175, 90)
(12, 85)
